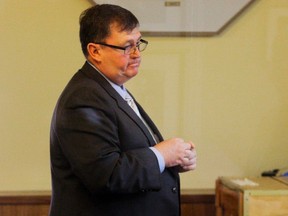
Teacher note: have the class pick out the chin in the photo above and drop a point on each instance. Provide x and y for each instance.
(132, 72)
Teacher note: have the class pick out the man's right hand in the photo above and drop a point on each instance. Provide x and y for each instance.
(177, 152)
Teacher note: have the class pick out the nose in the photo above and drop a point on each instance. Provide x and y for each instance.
(135, 51)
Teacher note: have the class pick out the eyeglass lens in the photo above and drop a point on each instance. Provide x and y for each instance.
(141, 47)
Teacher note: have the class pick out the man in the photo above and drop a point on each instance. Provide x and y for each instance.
(106, 158)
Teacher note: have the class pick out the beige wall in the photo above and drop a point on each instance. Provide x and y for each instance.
(227, 93)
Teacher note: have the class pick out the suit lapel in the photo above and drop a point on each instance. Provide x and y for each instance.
(149, 122)
(130, 112)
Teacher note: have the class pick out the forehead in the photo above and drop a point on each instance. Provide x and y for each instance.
(117, 33)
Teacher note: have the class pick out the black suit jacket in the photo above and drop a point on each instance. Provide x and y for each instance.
(101, 163)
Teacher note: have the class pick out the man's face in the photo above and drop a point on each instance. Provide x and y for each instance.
(113, 63)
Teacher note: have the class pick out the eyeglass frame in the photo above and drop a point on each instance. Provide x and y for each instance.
(142, 41)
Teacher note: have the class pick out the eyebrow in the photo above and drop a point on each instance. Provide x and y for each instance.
(132, 41)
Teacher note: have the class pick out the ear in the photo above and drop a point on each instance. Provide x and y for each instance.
(94, 51)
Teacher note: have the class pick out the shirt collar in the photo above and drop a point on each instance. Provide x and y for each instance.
(120, 89)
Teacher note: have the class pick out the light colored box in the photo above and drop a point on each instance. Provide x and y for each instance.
(263, 196)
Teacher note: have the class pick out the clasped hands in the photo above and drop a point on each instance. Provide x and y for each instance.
(178, 153)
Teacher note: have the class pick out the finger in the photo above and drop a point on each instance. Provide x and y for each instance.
(188, 162)
(190, 154)
(187, 146)
(192, 145)
(190, 167)
(194, 153)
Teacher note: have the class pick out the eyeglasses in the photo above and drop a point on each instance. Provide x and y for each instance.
(130, 49)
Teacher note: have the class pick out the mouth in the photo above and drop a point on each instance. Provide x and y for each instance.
(134, 64)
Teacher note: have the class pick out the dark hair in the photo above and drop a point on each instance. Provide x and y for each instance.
(95, 23)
